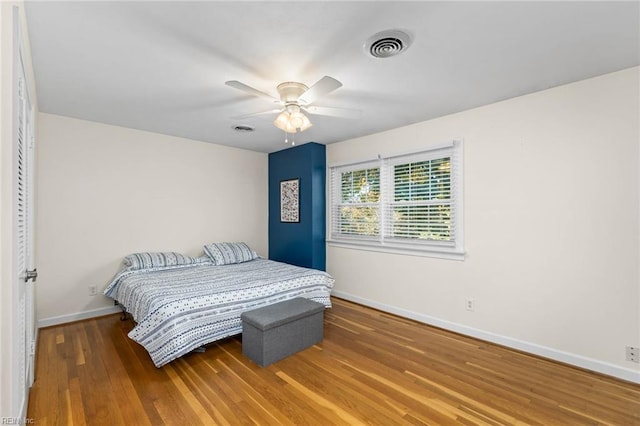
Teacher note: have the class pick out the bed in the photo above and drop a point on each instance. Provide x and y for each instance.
(179, 306)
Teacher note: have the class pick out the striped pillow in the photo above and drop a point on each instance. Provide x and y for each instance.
(150, 260)
(228, 253)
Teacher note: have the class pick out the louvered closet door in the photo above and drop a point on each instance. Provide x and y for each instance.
(23, 318)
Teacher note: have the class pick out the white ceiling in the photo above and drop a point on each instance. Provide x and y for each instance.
(161, 66)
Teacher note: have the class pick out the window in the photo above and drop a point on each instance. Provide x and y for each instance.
(407, 203)
(359, 204)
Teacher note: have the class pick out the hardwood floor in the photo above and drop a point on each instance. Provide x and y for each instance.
(371, 368)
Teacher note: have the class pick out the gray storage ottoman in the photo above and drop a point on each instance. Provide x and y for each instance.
(276, 331)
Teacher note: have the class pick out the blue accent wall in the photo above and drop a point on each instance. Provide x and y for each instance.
(302, 243)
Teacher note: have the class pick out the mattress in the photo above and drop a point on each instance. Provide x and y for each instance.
(178, 309)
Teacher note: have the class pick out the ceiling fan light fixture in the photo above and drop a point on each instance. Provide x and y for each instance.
(292, 122)
(282, 120)
(296, 119)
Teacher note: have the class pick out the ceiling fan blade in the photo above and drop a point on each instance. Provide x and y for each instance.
(254, 114)
(325, 85)
(248, 89)
(334, 112)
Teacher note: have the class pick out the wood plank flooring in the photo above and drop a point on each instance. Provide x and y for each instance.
(371, 368)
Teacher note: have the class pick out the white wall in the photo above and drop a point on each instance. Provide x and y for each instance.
(551, 217)
(107, 191)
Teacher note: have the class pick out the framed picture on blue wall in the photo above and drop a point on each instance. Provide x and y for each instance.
(290, 200)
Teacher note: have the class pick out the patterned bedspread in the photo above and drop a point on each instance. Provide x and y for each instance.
(179, 309)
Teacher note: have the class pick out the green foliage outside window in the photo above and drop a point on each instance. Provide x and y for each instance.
(421, 205)
(420, 208)
(360, 194)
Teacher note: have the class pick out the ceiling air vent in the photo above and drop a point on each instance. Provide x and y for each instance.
(388, 43)
(242, 128)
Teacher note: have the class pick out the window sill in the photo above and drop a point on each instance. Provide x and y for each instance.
(435, 252)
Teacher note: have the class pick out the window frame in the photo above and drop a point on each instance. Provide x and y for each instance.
(453, 249)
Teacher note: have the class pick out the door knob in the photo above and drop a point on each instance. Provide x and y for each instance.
(31, 275)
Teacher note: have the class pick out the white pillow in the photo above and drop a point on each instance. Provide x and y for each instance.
(151, 260)
(228, 253)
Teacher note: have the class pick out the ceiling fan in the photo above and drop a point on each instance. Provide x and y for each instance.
(296, 98)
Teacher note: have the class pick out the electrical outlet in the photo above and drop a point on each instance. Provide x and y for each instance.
(93, 290)
(470, 305)
(633, 354)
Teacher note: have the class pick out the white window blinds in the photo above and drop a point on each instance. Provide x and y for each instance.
(410, 202)
(355, 206)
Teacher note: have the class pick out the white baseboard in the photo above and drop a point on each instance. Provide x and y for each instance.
(62, 319)
(532, 348)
